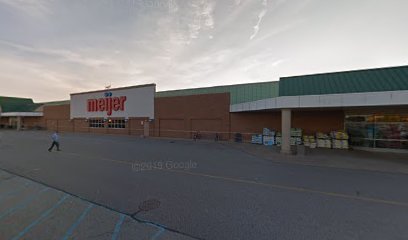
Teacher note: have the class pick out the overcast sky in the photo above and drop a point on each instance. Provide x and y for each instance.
(50, 48)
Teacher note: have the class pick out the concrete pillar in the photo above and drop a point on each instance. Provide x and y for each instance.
(18, 123)
(286, 126)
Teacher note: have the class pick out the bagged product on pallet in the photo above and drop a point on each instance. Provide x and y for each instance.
(309, 141)
(268, 132)
(278, 139)
(339, 135)
(296, 132)
(268, 140)
(340, 139)
(257, 139)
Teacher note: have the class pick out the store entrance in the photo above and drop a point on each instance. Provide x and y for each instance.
(378, 131)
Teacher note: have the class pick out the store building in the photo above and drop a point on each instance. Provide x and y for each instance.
(371, 105)
(19, 113)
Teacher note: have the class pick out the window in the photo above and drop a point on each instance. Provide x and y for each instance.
(96, 123)
(116, 123)
(378, 131)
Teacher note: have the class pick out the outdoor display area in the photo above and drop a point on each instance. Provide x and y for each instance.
(335, 139)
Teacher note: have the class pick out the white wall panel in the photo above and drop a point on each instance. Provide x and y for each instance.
(327, 101)
(309, 101)
(139, 103)
(288, 102)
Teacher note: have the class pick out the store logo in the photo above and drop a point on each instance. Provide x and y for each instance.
(108, 104)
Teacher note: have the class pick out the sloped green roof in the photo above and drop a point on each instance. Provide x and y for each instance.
(371, 80)
(55, 103)
(238, 93)
(12, 104)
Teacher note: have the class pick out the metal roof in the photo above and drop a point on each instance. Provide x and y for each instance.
(12, 104)
(55, 103)
(238, 93)
(371, 80)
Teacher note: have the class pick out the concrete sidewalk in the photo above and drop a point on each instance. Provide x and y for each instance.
(348, 159)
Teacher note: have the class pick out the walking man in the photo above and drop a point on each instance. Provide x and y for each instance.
(55, 141)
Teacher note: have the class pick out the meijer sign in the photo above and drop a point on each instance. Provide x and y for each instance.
(137, 101)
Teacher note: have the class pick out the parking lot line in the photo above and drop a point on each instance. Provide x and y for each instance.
(41, 218)
(159, 232)
(4, 196)
(295, 189)
(289, 188)
(8, 194)
(118, 226)
(23, 204)
(78, 221)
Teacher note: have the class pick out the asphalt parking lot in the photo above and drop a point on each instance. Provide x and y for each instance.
(29, 210)
(177, 189)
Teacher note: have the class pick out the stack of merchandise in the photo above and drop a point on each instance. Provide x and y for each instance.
(340, 140)
(309, 141)
(296, 136)
(268, 137)
(268, 140)
(266, 132)
(278, 139)
(256, 139)
(323, 140)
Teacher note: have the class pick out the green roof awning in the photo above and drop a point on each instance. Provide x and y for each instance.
(238, 93)
(11, 104)
(371, 80)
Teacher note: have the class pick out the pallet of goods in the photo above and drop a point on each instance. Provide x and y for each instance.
(268, 132)
(323, 140)
(296, 141)
(268, 140)
(296, 136)
(340, 140)
(268, 137)
(309, 141)
(257, 139)
(278, 139)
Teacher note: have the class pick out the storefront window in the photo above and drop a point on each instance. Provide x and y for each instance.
(116, 123)
(96, 123)
(378, 131)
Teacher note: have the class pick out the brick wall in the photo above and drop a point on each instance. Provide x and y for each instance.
(31, 122)
(248, 123)
(58, 112)
(181, 116)
(318, 120)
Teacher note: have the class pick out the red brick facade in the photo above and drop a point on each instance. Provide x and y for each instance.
(183, 116)
(208, 114)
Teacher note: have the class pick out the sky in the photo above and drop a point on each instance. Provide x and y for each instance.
(51, 48)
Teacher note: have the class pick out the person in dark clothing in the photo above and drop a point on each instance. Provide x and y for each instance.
(55, 142)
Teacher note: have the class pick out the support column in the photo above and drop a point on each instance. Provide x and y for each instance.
(286, 126)
(18, 123)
